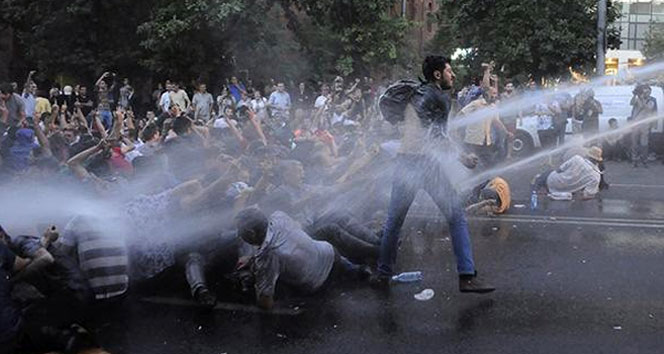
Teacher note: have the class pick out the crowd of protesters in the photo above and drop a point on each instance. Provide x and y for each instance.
(260, 184)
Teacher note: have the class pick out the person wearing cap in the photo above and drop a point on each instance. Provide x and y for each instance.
(579, 174)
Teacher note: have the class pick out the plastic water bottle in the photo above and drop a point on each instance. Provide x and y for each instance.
(533, 201)
(407, 277)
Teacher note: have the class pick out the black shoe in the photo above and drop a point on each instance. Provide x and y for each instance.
(473, 284)
(379, 280)
(205, 297)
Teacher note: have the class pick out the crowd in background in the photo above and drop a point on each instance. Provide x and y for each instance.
(297, 152)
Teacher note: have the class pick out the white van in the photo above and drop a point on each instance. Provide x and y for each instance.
(615, 104)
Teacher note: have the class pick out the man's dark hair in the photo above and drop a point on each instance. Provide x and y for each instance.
(181, 125)
(252, 219)
(432, 63)
(6, 88)
(149, 132)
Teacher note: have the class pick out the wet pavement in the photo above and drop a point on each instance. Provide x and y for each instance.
(572, 277)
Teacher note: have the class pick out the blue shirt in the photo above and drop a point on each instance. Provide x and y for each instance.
(236, 91)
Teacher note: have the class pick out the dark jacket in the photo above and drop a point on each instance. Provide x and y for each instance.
(432, 105)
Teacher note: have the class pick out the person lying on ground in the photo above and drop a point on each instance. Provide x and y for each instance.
(288, 255)
(489, 198)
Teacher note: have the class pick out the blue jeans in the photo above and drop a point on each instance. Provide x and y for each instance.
(415, 172)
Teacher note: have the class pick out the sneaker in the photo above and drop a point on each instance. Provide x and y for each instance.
(473, 284)
(205, 297)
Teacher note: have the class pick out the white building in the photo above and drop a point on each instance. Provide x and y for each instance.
(637, 17)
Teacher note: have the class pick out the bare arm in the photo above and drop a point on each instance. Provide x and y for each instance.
(41, 259)
(201, 195)
(62, 117)
(28, 81)
(101, 78)
(41, 137)
(128, 145)
(486, 78)
(118, 121)
(236, 133)
(78, 114)
(76, 162)
(99, 126)
(257, 126)
(4, 112)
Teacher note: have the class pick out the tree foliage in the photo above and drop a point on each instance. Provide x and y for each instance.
(203, 38)
(654, 42)
(525, 37)
(352, 37)
(76, 37)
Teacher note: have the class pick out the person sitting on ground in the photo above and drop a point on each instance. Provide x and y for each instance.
(288, 255)
(612, 145)
(578, 174)
(490, 197)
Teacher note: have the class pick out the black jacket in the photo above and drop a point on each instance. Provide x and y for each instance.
(432, 105)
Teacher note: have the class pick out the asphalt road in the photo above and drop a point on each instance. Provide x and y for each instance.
(572, 277)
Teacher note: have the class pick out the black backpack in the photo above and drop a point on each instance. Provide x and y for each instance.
(393, 102)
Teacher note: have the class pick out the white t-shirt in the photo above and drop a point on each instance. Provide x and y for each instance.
(576, 174)
(321, 101)
(165, 101)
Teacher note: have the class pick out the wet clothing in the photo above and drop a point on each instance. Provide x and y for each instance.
(497, 189)
(102, 258)
(642, 109)
(62, 276)
(415, 172)
(576, 174)
(290, 255)
(425, 129)
(151, 247)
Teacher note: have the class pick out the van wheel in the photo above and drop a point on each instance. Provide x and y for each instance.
(522, 145)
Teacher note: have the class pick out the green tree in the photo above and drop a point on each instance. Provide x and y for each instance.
(352, 37)
(188, 37)
(533, 38)
(208, 39)
(654, 43)
(76, 38)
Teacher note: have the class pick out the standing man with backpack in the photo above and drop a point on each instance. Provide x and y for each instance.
(425, 109)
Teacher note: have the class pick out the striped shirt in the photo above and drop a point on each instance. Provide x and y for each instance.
(103, 258)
